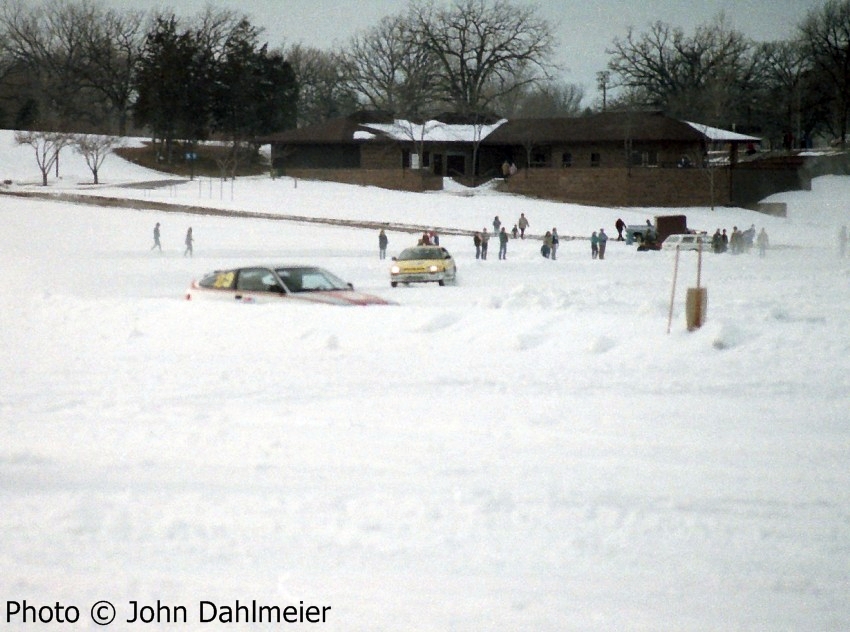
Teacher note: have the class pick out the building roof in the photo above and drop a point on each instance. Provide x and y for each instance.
(723, 135)
(601, 127)
(608, 127)
(430, 131)
(332, 131)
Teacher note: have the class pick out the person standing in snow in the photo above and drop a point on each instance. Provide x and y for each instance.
(156, 243)
(503, 243)
(523, 224)
(515, 231)
(555, 241)
(383, 242)
(546, 248)
(594, 245)
(189, 241)
(603, 240)
(717, 242)
(476, 239)
(497, 223)
(620, 225)
(485, 240)
(762, 242)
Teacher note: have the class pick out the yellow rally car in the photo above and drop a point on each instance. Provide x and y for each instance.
(422, 264)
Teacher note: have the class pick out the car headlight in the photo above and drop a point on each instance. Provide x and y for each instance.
(434, 269)
(395, 270)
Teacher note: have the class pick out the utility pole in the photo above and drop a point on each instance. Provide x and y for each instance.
(602, 79)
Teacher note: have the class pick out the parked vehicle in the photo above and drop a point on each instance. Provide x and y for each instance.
(423, 264)
(272, 283)
(651, 236)
(688, 242)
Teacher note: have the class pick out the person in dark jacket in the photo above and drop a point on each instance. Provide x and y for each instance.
(383, 242)
(620, 225)
(476, 239)
(717, 242)
(503, 243)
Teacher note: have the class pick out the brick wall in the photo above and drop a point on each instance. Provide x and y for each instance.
(396, 179)
(622, 187)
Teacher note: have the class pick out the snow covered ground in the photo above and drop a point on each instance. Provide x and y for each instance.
(526, 450)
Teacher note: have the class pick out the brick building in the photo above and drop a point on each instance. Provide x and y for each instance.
(610, 158)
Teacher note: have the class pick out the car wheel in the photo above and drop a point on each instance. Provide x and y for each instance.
(441, 282)
(393, 283)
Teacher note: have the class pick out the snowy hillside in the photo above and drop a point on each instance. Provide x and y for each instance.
(528, 449)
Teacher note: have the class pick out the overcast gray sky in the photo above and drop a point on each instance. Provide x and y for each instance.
(584, 29)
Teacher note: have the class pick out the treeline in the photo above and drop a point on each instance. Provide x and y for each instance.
(73, 65)
(787, 91)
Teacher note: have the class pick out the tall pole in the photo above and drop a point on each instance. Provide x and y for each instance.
(673, 291)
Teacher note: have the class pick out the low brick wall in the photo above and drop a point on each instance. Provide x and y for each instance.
(622, 187)
(395, 179)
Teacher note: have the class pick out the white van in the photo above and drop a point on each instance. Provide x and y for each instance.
(688, 242)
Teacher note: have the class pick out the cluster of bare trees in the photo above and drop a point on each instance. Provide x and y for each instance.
(470, 58)
(787, 91)
(72, 65)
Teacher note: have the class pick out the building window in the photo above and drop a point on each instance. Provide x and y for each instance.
(566, 159)
(595, 159)
(538, 159)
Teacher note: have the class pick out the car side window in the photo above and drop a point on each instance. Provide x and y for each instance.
(314, 281)
(220, 280)
(256, 280)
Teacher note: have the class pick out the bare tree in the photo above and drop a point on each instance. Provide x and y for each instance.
(390, 70)
(46, 146)
(826, 39)
(483, 51)
(323, 92)
(49, 39)
(113, 46)
(702, 76)
(94, 148)
(550, 100)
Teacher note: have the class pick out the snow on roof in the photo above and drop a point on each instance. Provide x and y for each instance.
(721, 135)
(432, 131)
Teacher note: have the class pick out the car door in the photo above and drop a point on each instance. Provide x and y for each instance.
(257, 284)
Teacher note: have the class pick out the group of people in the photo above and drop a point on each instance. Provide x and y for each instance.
(481, 239)
(189, 241)
(740, 241)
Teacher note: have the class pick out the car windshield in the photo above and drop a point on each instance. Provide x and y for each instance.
(413, 254)
(310, 280)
